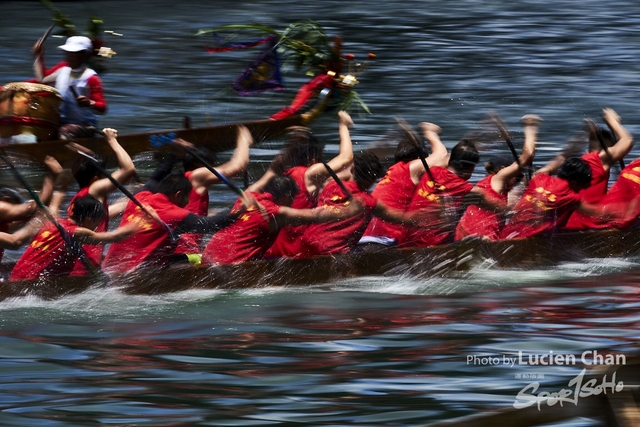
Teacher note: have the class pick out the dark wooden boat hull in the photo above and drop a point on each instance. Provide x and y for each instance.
(216, 138)
(426, 262)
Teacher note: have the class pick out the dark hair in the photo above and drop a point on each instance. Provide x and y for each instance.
(87, 207)
(464, 156)
(366, 169)
(190, 162)
(280, 186)
(11, 194)
(407, 150)
(575, 169)
(302, 148)
(84, 171)
(598, 134)
(495, 164)
(173, 183)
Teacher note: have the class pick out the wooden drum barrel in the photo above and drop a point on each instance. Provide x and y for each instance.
(29, 108)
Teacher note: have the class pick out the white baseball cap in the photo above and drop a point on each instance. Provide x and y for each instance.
(77, 44)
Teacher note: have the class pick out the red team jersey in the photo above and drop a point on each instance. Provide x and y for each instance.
(448, 190)
(191, 243)
(622, 200)
(288, 241)
(545, 205)
(247, 238)
(480, 222)
(152, 244)
(394, 190)
(47, 255)
(596, 191)
(94, 252)
(337, 237)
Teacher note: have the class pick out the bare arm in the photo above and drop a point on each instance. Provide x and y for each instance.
(258, 186)
(291, 216)
(90, 237)
(438, 156)
(317, 174)
(202, 178)
(500, 180)
(101, 188)
(624, 144)
(49, 179)
(21, 236)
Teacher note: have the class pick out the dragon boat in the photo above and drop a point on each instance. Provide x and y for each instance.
(453, 260)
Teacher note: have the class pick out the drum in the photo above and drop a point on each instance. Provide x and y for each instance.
(29, 108)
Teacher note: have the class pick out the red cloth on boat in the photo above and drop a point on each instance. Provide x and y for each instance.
(546, 205)
(337, 237)
(151, 245)
(94, 252)
(305, 93)
(288, 243)
(47, 255)
(247, 238)
(191, 243)
(596, 191)
(481, 222)
(622, 202)
(394, 190)
(449, 189)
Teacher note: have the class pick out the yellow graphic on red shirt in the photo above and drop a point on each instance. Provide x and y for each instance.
(245, 217)
(140, 218)
(385, 179)
(544, 196)
(632, 177)
(43, 240)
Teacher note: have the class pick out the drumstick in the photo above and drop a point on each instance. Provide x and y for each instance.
(42, 39)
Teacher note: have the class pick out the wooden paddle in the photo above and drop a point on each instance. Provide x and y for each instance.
(410, 133)
(504, 132)
(338, 181)
(88, 154)
(72, 245)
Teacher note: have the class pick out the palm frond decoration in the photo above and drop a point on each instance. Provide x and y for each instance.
(304, 46)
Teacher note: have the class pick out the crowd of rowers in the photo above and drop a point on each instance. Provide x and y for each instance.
(305, 206)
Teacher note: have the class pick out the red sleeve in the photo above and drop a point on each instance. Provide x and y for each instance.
(96, 93)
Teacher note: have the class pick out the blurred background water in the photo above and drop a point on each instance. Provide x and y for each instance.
(370, 351)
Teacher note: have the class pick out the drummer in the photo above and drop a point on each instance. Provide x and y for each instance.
(79, 86)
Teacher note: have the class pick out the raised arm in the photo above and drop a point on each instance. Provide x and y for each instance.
(202, 178)
(54, 170)
(101, 188)
(317, 174)
(624, 144)
(500, 180)
(438, 156)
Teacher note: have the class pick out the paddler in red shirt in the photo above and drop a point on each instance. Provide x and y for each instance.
(14, 212)
(302, 160)
(152, 246)
(440, 195)
(396, 188)
(342, 236)
(49, 255)
(620, 207)
(254, 230)
(600, 160)
(483, 221)
(93, 183)
(548, 201)
(190, 246)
